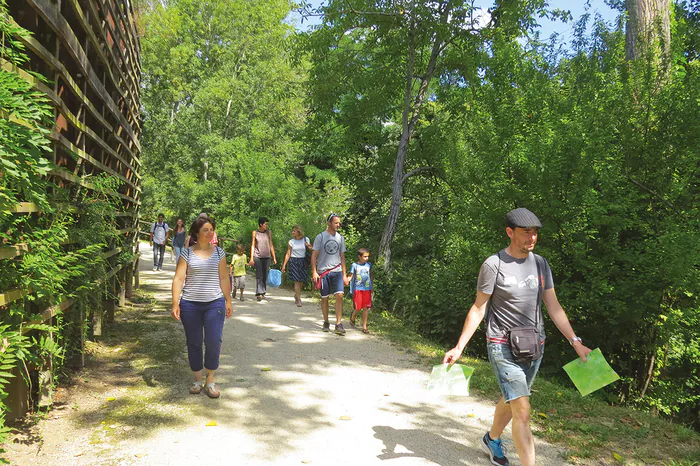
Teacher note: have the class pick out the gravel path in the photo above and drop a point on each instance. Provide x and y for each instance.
(325, 400)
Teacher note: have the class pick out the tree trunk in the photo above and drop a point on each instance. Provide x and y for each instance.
(648, 26)
(411, 111)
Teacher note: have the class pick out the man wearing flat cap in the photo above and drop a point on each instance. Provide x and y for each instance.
(510, 290)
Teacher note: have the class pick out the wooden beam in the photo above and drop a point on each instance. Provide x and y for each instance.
(68, 115)
(24, 208)
(16, 250)
(85, 156)
(113, 252)
(13, 295)
(63, 31)
(51, 312)
(127, 92)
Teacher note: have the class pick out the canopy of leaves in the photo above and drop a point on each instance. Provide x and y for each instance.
(223, 102)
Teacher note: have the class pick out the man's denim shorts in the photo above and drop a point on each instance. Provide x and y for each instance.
(514, 379)
(332, 283)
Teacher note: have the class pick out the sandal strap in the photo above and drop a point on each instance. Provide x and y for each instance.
(198, 384)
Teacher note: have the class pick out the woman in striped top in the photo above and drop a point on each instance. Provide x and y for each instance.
(202, 279)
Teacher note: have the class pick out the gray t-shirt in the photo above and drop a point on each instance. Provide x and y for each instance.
(329, 248)
(512, 284)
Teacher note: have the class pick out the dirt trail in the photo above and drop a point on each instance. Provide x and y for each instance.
(325, 400)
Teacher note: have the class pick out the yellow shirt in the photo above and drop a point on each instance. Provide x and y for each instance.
(239, 265)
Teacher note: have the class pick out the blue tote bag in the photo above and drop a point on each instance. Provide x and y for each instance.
(274, 278)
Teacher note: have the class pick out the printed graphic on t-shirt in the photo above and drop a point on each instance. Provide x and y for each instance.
(331, 246)
(529, 282)
(239, 265)
(360, 274)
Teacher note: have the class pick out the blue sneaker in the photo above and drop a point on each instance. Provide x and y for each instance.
(496, 451)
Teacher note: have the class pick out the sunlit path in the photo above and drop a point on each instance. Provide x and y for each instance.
(290, 394)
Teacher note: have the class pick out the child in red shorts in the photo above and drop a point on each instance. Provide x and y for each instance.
(361, 286)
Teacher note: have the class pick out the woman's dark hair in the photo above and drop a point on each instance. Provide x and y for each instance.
(262, 220)
(199, 223)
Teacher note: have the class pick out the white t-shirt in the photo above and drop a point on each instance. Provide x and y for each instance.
(159, 230)
(298, 247)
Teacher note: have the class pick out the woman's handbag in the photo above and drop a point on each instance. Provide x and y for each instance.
(274, 278)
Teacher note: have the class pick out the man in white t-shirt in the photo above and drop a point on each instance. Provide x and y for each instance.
(160, 232)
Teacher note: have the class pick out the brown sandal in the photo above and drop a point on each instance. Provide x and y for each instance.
(364, 330)
(196, 388)
(211, 391)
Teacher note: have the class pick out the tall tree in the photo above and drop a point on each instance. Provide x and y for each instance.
(223, 103)
(390, 53)
(648, 29)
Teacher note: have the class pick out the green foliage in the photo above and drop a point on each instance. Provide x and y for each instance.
(223, 104)
(605, 151)
(64, 241)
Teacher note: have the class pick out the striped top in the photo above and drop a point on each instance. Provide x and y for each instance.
(202, 280)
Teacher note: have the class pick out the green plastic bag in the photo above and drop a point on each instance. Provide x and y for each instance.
(448, 380)
(592, 375)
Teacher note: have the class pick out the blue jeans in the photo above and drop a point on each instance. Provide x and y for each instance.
(514, 378)
(178, 252)
(197, 316)
(332, 283)
(158, 253)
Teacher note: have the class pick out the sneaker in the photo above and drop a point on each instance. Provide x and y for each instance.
(339, 330)
(242, 298)
(326, 326)
(160, 269)
(155, 268)
(496, 451)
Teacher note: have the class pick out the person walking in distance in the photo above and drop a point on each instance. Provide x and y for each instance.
(160, 232)
(179, 239)
(237, 271)
(328, 265)
(201, 300)
(261, 250)
(296, 258)
(361, 287)
(510, 289)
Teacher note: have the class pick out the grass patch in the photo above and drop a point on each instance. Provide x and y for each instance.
(591, 430)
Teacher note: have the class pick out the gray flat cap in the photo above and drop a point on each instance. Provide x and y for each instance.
(523, 218)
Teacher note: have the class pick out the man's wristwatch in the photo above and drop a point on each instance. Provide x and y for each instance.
(575, 339)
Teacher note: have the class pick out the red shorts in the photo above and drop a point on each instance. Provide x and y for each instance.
(362, 299)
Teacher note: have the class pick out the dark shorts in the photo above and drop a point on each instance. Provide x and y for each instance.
(332, 283)
(514, 378)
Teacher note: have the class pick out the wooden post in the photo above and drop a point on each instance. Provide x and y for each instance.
(136, 272)
(129, 281)
(17, 396)
(96, 320)
(122, 287)
(110, 301)
(45, 397)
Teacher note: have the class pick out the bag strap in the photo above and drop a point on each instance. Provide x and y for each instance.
(495, 282)
(540, 287)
